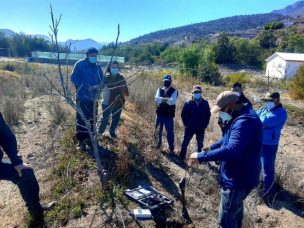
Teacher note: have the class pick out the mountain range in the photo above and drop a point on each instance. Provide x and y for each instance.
(75, 45)
(236, 25)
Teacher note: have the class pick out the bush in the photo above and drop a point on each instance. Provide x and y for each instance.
(8, 67)
(274, 25)
(238, 77)
(296, 86)
(209, 73)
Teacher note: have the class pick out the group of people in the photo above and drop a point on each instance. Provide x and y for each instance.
(249, 139)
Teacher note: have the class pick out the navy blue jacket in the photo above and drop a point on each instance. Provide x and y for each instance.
(84, 75)
(8, 143)
(196, 114)
(239, 151)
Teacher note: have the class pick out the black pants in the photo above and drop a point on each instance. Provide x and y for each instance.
(187, 138)
(87, 108)
(27, 185)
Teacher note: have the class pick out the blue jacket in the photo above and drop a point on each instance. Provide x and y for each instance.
(196, 115)
(8, 143)
(84, 75)
(239, 151)
(273, 122)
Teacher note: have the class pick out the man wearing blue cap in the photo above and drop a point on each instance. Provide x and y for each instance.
(165, 100)
(87, 78)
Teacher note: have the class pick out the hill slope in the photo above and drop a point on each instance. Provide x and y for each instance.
(201, 30)
(295, 10)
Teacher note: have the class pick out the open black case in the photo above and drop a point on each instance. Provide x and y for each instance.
(148, 197)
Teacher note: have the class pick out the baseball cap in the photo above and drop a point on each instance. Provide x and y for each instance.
(224, 99)
(197, 88)
(167, 77)
(271, 96)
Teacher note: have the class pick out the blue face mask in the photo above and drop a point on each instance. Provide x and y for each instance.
(92, 59)
(114, 71)
(197, 96)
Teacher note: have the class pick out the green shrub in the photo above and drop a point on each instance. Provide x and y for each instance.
(238, 77)
(296, 86)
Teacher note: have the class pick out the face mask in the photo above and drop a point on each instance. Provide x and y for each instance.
(269, 105)
(237, 93)
(92, 59)
(224, 117)
(114, 71)
(167, 83)
(197, 96)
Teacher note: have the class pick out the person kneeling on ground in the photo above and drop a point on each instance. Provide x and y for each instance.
(195, 115)
(20, 174)
(239, 152)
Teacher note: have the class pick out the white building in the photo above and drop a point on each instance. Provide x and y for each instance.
(283, 65)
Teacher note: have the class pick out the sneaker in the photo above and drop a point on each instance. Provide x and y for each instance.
(81, 146)
(36, 219)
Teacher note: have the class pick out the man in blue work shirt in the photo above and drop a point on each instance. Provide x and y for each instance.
(87, 78)
(239, 152)
(273, 116)
(20, 174)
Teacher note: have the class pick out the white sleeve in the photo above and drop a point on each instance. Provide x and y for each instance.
(172, 99)
(158, 99)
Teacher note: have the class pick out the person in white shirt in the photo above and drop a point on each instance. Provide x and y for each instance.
(165, 100)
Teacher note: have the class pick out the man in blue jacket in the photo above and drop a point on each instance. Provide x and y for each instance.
(87, 78)
(19, 173)
(273, 116)
(239, 152)
(195, 115)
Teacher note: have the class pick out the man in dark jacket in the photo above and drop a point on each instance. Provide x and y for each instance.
(87, 78)
(239, 152)
(115, 90)
(19, 173)
(273, 116)
(165, 100)
(237, 87)
(195, 116)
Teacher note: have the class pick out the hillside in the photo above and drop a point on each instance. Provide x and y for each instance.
(201, 30)
(295, 10)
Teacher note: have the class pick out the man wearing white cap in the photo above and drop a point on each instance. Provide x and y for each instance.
(239, 152)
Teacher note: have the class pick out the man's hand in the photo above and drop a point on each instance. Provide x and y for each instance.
(193, 159)
(206, 149)
(165, 100)
(21, 167)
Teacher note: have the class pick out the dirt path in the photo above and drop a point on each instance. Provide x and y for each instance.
(34, 143)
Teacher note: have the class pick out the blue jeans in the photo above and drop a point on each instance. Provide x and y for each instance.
(115, 111)
(27, 184)
(231, 207)
(169, 125)
(268, 157)
(187, 138)
(87, 109)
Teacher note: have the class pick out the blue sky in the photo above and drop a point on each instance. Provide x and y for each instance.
(98, 19)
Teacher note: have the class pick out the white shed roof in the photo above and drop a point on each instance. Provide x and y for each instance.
(297, 57)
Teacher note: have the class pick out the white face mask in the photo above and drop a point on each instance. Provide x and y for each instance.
(269, 105)
(225, 117)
